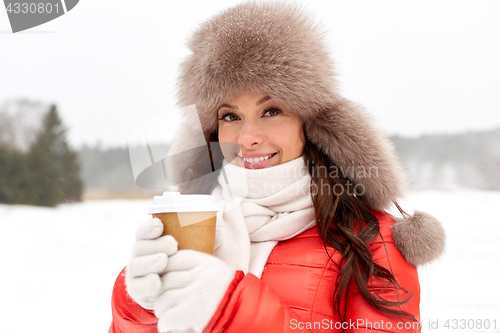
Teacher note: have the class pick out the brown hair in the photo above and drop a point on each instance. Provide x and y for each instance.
(198, 168)
(345, 223)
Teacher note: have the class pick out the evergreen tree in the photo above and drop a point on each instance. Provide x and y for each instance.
(54, 166)
(15, 177)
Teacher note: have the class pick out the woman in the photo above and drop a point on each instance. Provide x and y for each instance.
(303, 242)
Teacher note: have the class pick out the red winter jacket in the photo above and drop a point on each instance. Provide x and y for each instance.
(295, 293)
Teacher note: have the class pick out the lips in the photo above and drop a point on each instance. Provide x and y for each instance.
(257, 162)
(257, 159)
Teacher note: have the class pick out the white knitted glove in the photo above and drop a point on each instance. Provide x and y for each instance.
(148, 262)
(192, 289)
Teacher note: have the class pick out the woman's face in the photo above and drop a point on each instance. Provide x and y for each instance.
(265, 131)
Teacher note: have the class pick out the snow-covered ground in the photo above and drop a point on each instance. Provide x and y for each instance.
(59, 264)
(462, 287)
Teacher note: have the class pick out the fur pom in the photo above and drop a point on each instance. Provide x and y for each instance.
(420, 238)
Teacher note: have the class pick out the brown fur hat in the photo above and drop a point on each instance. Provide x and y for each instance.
(275, 48)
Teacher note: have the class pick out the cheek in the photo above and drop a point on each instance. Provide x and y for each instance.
(228, 145)
(296, 146)
(290, 139)
(225, 134)
(295, 137)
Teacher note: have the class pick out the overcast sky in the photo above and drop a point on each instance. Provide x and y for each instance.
(417, 67)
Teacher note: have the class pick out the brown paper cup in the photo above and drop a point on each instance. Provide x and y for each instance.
(192, 230)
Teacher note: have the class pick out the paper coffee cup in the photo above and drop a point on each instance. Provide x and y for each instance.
(189, 218)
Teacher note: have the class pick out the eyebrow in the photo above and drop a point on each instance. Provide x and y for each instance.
(262, 100)
(259, 102)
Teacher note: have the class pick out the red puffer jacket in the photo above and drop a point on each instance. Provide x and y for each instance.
(295, 293)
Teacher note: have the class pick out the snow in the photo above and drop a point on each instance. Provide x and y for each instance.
(59, 264)
(462, 284)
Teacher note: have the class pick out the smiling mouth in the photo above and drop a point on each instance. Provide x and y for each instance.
(257, 159)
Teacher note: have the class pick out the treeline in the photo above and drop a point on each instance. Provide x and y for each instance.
(468, 160)
(107, 168)
(38, 167)
(42, 171)
(108, 171)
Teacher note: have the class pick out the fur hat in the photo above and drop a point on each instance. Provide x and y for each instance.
(277, 49)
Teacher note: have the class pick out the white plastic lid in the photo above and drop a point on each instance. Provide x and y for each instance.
(171, 202)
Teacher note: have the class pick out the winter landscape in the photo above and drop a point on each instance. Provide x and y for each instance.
(426, 71)
(60, 263)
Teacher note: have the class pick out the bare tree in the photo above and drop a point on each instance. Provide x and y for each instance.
(20, 121)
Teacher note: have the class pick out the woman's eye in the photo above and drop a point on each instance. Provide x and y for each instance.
(272, 112)
(229, 117)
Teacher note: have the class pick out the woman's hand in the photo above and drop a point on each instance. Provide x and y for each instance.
(191, 290)
(148, 262)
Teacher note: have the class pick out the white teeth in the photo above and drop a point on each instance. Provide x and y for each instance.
(256, 159)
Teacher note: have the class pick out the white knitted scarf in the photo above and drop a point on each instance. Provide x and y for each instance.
(258, 208)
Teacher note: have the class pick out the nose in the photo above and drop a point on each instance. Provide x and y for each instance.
(251, 134)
